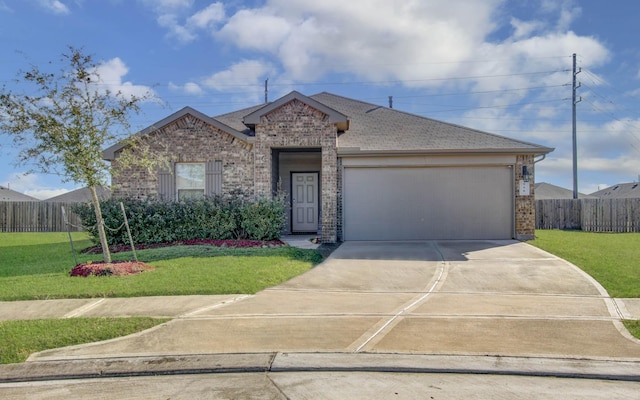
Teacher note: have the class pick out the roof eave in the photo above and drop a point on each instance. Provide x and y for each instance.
(356, 151)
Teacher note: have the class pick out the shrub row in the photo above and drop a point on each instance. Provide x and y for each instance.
(156, 221)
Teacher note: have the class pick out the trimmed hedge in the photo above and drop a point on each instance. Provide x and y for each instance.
(156, 221)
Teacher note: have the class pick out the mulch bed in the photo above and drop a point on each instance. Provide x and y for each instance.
(118, 268)
(195, 242)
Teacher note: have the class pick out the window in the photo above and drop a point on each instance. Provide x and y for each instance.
(190, 181)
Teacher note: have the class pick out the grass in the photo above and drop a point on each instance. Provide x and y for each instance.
(633, 327)
(610, 258)
(36, 266)
(19, 339)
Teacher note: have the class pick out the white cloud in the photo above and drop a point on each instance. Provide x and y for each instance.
(31, 185)
(272, 30)
(412, 42)
(176, 30)
(246, 73)
(174, 16)
(208, 16)
(111, 74)
(190, 88)
(4, 7)
(525, 28)
(54, 6)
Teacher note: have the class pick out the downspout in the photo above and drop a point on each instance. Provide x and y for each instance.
(537, 161)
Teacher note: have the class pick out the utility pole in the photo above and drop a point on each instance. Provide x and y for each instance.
(575, 141)
(266, 90)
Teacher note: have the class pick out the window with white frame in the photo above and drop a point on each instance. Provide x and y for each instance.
(190, 180)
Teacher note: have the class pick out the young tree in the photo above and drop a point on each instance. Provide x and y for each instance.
(61, 122)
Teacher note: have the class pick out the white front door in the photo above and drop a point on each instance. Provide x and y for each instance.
(304, 201)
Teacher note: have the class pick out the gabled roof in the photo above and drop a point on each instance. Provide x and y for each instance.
(378, 129)
(364, 128)
(81, 195)
(7, 194)
(619, 191)
(109, 153)
(335, 117)
(547, 191)
(234, 119)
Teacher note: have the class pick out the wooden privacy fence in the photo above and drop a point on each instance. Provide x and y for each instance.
(591, 215)
(36, 216)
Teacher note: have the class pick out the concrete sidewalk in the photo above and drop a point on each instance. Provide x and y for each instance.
(161, 307)
(154, 306)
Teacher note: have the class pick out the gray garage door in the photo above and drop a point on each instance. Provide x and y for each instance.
(428, 203)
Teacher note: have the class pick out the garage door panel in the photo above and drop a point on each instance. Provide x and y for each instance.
(428, 203)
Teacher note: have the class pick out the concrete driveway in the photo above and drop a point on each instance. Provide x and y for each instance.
(437, 297)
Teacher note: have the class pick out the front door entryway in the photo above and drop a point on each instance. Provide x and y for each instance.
(304, 201)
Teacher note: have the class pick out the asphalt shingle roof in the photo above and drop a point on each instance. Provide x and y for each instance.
(547, 191)
(7, 194)
(619, 191)
(82, 195)
(374, 128)
(234, 119)
(377, 128)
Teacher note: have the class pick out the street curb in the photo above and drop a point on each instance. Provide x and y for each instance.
(605, 369)
(134, 366)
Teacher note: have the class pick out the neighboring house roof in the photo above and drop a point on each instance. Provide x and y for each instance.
(364, 128)
(81, 195)
(374, 128)
(547, 191)
(619, 191)
(7, 194)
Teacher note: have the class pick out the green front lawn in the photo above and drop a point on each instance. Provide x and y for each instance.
(19, 339)
(36, 266)
(613, 259)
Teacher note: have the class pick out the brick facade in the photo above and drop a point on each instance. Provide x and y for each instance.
(525, 205)
(189, 139)
(298, 125)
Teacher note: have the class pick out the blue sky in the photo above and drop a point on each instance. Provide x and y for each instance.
(503, 66)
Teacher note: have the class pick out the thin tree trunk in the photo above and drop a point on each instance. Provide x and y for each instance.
(106, 255)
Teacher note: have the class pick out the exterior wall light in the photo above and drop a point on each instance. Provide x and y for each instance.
(525, 173)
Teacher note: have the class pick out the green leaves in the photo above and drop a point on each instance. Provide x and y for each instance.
(155, 221)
